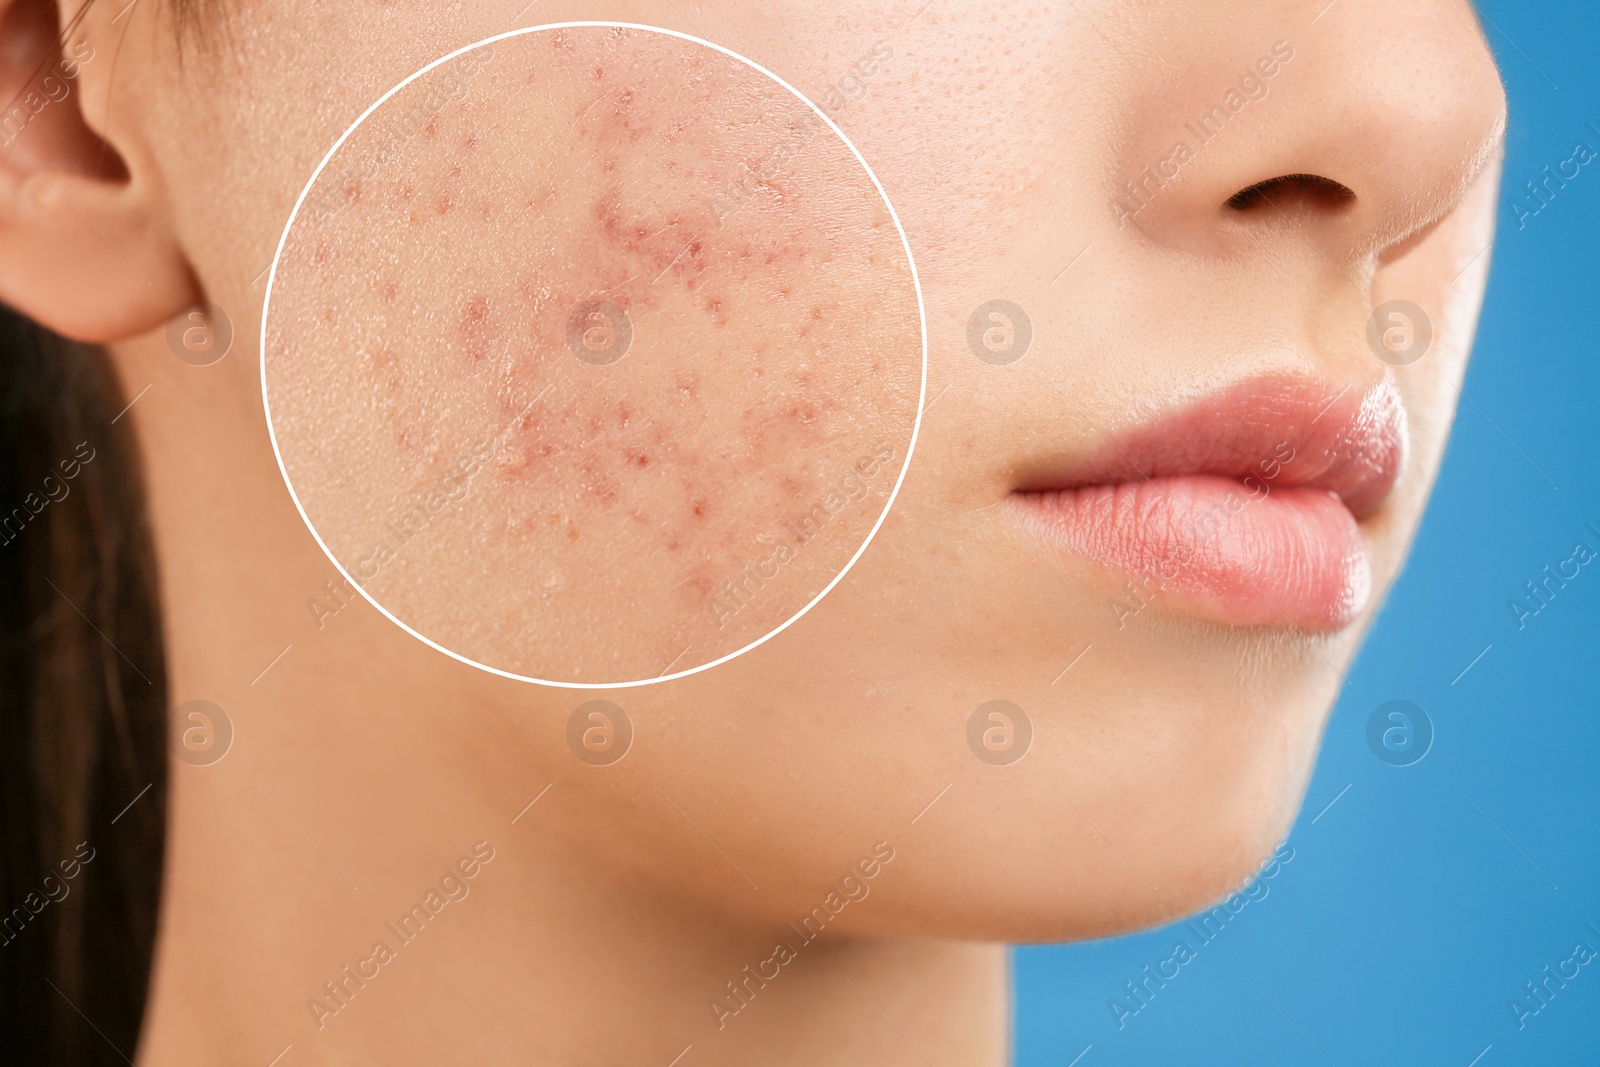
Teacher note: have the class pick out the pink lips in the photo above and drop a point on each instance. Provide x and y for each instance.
(1243, 505)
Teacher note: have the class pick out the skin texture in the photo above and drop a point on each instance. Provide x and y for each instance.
(1168, 754)
(601, 521)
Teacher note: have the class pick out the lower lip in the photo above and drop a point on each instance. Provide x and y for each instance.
(1273, 557)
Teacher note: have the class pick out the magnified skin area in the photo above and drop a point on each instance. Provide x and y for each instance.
(593, 355)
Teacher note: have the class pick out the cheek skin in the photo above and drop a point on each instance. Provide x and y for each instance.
(468, 286)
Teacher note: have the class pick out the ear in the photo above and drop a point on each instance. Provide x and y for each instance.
(86, 247)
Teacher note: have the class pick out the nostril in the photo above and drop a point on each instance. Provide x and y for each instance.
(1312, 189)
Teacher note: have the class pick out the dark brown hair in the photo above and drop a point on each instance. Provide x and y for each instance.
(82, 709)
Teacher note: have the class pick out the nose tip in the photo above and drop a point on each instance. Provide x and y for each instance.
(1361, 129)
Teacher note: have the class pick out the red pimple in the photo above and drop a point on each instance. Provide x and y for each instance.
(605, 213)
(803, 413)
(598, 485)
(405, 440)
(445, 202)
(527, 456)
(385, 364)
(472, 327)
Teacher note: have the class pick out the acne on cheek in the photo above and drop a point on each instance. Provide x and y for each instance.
(659, 459)
(733, 378)
(774, 342)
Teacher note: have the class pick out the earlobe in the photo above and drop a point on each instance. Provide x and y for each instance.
(76, 256)
(84, 247)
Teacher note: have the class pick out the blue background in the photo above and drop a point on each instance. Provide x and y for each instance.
(1417, 905)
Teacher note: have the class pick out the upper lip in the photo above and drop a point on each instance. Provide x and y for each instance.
(1345, 438)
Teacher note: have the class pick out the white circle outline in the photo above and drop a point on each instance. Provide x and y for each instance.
(916, 427)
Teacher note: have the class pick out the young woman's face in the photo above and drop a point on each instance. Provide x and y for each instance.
(1157, 495)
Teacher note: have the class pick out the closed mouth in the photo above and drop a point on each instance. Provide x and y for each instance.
(1244, 504)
